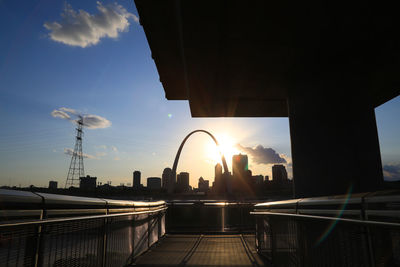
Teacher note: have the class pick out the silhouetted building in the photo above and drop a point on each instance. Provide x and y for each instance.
(218, 184)
(53, 184)
(248, 174)
(167, 180)
(183, 182)
(227, 182)
(240, 164)
(258, 180)
(279, 174)
(204, 185)
(154, 183)
(87, 182)
(240, 173)
(136, 179)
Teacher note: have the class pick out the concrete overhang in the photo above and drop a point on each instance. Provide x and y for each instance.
(246, 58)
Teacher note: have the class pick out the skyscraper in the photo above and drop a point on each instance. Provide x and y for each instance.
(218, 178)
(136, 179)
(279, 174)
(239, 167)
(182, 183)
(240, 164)
(167, 181)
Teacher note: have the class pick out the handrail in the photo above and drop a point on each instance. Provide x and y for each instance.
(353, 229)
(58, 220)
(367, 206)
(364, 222)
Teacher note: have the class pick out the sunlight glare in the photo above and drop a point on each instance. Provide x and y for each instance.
(227, 146)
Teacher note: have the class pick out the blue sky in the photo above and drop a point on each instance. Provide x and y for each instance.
(43, 69)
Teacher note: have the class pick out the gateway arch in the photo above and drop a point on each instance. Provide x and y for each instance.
(225, 166)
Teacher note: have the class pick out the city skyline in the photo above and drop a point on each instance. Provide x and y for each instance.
(224, 183)
(47, 76)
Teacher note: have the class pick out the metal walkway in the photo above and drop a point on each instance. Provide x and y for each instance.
(202, 250)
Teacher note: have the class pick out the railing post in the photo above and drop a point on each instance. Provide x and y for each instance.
(133, 237)
(104, 248)
(272, 241)
(241, 219)
(38, 243)
(367, 232)
(159, 218)
(148, 230)
(370, 251)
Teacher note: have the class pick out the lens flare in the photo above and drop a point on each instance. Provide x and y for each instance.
(227, 146)
(332, 225)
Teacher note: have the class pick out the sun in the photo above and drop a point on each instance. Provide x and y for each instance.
(227, 146)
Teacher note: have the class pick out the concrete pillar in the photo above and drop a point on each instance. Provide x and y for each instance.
(334, 143)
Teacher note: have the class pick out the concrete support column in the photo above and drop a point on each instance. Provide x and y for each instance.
(334, 144)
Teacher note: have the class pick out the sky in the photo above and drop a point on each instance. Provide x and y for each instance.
(60, 59)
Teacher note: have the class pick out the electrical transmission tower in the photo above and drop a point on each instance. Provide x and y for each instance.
(76, 169)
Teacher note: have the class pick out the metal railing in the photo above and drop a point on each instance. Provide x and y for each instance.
(54, 230)
(351, 230)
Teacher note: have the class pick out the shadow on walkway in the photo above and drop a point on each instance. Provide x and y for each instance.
(202, 250)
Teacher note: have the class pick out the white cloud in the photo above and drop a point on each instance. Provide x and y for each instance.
(94, 122)
(70, 152)
(391, 172)
(262, 155)
(89, 121)
(79, 28)
(60, 114)
(69, 110)
(113, 148)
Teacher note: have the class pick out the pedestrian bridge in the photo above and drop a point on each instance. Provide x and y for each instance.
(203, 250)
(38, 229)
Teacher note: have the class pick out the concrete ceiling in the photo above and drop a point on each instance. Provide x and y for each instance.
(245, 58)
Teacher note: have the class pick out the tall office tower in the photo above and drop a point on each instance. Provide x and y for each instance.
(136, 179)
(279, 174)
(240, 164)
(167, 181)
(218, 178)
(239, 168)
(182, 183)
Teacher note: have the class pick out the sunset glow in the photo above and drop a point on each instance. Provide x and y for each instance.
(227, 146)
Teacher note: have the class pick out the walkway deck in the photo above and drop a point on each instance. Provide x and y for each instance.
(202, 250)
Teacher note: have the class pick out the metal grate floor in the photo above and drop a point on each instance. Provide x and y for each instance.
(202, 250)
